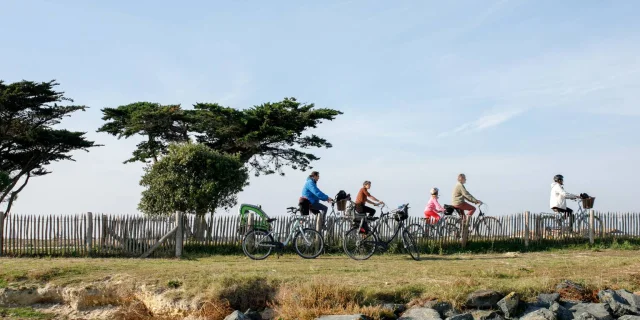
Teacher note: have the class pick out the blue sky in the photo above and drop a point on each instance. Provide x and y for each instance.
(508, 92)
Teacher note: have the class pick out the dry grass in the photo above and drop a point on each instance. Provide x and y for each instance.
(306, 288)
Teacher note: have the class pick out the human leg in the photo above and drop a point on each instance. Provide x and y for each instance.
(466, 207)
(431, 216)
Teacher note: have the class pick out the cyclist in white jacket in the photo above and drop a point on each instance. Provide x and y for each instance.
(558, 202)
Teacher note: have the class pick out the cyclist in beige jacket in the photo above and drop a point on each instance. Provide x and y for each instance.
(461, 195)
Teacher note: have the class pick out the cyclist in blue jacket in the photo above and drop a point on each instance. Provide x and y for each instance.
(311, 192)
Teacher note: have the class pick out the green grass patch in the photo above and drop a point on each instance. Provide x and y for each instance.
(23, 313)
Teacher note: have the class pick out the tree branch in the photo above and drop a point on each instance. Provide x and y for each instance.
(14, 194)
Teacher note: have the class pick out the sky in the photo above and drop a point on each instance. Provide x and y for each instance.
(508, 92)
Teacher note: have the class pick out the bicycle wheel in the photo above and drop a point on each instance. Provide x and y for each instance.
(416, 230)
(410, 245)
(488, 226)
(359, 246)
(386, 228)
(582, 226)
(257, 244)
(308, 243)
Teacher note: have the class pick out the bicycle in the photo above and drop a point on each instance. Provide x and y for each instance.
(561, 222)
(481, 225)
(360, 245)
(447, 224)
(304, 240)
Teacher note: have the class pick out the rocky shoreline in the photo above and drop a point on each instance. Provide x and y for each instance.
(571, 301)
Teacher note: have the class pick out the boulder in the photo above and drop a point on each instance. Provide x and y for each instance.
(395, 308)
(420, 314)
(632, 299)
(486, 315)
(253, 315)
(464, 316)
(445, 309)
(484, 299)
(509, 305)
(540, 314)
(619, 305)
(545, 300)
(268, 314)
(561, 312)
(629, 318)
(237, 315)
(599, 311)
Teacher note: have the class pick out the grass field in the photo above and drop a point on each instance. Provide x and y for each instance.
(303, 288)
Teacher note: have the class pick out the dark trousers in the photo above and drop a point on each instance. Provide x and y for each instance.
(361, 208)
(568, 213)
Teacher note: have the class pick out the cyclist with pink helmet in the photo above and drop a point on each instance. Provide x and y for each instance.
(433, 208)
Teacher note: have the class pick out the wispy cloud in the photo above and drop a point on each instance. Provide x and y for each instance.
(484, 122)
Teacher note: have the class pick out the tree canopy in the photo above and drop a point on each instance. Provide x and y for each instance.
(192, 178)
(28, 140)
(266, 137)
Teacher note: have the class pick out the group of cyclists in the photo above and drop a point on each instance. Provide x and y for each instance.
(461, 199)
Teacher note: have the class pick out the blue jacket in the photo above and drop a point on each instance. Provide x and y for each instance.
(311, 192)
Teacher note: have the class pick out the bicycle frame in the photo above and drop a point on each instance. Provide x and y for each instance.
(376, 227)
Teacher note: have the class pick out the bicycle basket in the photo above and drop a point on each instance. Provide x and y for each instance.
(342, 205)
(401, 214)
(587, 203)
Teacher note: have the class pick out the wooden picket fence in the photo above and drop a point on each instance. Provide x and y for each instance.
(140, 236)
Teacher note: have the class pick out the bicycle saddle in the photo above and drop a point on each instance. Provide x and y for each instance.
(272, 220)
(373, 218)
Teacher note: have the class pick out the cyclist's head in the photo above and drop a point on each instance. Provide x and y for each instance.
(434, 191)
(462, 178)
(367, 184)
(558, 178)
(315, 175)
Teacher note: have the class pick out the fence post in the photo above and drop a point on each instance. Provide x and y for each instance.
(1, 232)
(465, 230)
(591, 228)
(89, 233)
(179, 234)
(320, 222)
(526, 229)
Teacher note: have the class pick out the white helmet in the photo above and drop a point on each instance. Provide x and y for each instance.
(434, 190)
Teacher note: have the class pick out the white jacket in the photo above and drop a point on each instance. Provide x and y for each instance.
(559, 196)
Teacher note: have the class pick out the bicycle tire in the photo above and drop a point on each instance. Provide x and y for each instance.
(411, 245)
(416, 230)
(490, 223)
(253, 233)
(369, 241)
(316, 237)
(582, 224)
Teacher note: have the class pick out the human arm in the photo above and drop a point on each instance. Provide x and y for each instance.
(468, 195)
(314, 189)
(439, 208)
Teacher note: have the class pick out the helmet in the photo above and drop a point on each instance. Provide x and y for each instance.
(557, 178)
(434, 191)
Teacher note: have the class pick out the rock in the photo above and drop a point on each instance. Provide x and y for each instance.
(483, 299)
(545, 300)
(561, 312)
(540, 314)
(395, 308)
(599, 311)
(344, 317)
(486, 315)
(619, 306)
(509, 305)
(253, 315)
(585, 316)
(629, 318)
(570, 290)
(420, 314)
(464, 316)
(268, 314)
(237, 315)
(445, 309)
(632, 299)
